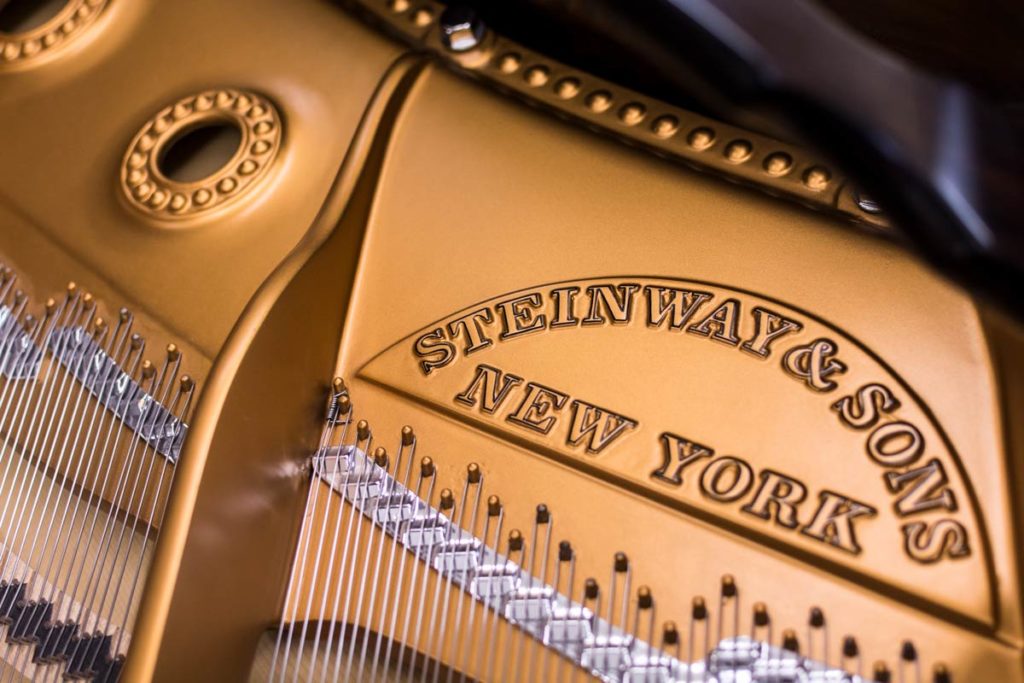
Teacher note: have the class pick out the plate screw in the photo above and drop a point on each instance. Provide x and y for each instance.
(866, 203)
(461, 28)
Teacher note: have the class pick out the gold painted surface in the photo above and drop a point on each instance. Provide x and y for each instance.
(77, 19)
(609, 213)
(66, 125)
(764, 163)
(452, 199)
(265, 654)
(144, 184)
(492, 650)
(40, 283)
(238, 501)
(61, 172)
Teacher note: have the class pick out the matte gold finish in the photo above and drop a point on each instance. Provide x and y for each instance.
(773, 165)
(872, 301)
(65, 128)
(75, 18)
(228, 512)
(729, 388)
(151, 192)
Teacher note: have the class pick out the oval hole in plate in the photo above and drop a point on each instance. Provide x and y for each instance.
(21, 16)
(199, 152)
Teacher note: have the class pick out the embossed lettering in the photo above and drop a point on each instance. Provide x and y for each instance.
(726, 479)
(534, 412)
(921, 489)
(681, 452)
(814, 363)
(919, 483)
(895, 444)
(471, 325)
(615, 300)
(435, 351)
(833, 521)
(928, 543)
(720, 324)
(516, 317)
(777, 496)
(677, 305)
(600, 425)
(565, 307)
(863, 409)
(492, 385)
(768, 327)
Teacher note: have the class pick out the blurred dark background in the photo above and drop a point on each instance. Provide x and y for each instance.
(978, 42)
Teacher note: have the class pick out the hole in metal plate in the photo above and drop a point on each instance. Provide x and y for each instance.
(199, 152)
(21, 16)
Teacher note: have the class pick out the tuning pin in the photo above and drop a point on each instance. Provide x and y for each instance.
(908, 659)
(543, 515)
(670, 634)
(881, 673)
(815, 633)
(338, 391)
(50, 306)
(125, 316)
(473, 473)
(564, 551)
(698, 616)
(426, 467)
(789, 641)
(447, 499)
(380, 458)
(644, 603)
(940, 674)
(590, 590)
(173, 353)
(644, 599)
(699, 610)
(408, 436)
(362, 430)
(136, 342)
(493, 506)
(670, 638)
(515, 541)
(344, 405)
(851, 655)
(146, 371)
(728, 619)
(761, 622)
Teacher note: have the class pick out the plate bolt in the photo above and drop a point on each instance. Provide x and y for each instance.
(461, 28)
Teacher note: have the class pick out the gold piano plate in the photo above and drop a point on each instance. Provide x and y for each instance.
(711, 359)
(747, 414)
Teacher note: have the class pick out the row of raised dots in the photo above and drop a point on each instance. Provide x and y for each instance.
(421, 17)
(739, 151)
